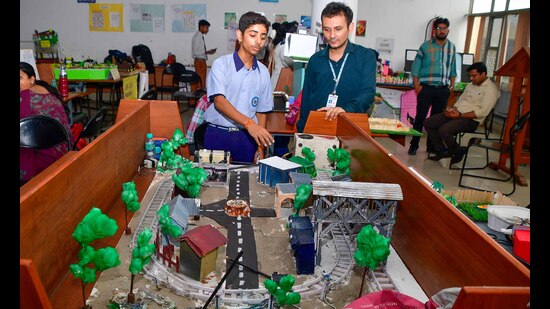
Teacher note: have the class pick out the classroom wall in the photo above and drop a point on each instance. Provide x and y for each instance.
(403, 20)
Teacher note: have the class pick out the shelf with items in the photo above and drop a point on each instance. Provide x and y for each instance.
(46, 46)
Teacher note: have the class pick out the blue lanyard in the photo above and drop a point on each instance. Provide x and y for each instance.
(337, 79)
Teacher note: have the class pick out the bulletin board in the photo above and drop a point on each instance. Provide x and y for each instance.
(106, 17)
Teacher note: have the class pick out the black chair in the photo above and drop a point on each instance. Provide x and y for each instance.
(484, 129)
(93, 128)
(173, 69)
(498, 146)
(41, 132)
(189, 78)
(151, 94)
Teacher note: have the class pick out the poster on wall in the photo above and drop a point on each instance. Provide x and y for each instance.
(147, 17)
(230, 20)
(361, 28)
(106, 17)
(185, 17)
(280, 18)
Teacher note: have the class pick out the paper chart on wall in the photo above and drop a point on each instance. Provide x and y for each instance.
(185, 17)
(147, 18)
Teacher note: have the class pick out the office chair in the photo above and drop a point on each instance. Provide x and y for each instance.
(189, 78)
(151, 94)
(93, 128)
(173, 69)
(41, 132)
(486, 131)
(498, 146)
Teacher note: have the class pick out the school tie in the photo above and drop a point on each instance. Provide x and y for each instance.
(204, 43)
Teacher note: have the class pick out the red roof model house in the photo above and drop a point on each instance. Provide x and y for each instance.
(199, 251)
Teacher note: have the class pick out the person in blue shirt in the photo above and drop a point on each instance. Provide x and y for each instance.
(341, 77)
(240, 88)
(434, 73)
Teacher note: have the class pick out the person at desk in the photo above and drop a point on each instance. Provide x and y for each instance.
(37, 97)
(240, 88)
(341, 77)
(200, 53)
(471, 109)
(434, 73)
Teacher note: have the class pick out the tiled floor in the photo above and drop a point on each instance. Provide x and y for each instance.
(439, 171)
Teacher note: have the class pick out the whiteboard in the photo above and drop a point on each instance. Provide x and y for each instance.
(27, 55)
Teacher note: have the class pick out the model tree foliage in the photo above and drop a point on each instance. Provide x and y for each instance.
(190, 179)
(165, 222)
(141, 255)
(372, 248)
(169, 160)
(95, 225)
(282, 291)
(340, 159)
(130, 196)
(302, 195)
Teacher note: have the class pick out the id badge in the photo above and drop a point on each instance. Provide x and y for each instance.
(332, 99)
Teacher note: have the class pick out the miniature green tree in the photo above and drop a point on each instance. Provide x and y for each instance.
(165, 222)
(141, 255)
(283, 290)
(169, 160)
(340, 159)
(372, 248)
(190, 179)
(308, 154)
(302, 195)
(437, 186)
(130, 198)
(94, 225)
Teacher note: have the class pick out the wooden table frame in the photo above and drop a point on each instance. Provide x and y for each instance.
(440, 246)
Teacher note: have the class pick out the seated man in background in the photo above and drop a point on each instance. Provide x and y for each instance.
(240, 88)
(471, 108)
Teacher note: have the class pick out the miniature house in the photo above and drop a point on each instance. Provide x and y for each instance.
(306, 166)
(181, 209)
(274, 170)
(199, 251)
(319, 144)
(286, 192)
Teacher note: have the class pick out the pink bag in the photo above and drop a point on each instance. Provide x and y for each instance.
(294, 110)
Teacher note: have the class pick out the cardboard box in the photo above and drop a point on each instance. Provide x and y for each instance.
(92, 74)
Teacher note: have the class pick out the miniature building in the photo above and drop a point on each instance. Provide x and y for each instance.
(306, 166)
(285, 192)
(216, 164)
(274, 170)
(181, 209)
(302, 244)
(199, 251)
(319, 144)
(353, 204)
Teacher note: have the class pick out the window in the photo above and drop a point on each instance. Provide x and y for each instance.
(497, 29)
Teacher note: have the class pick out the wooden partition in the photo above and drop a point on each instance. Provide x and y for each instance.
(56, 200)
(441, 247)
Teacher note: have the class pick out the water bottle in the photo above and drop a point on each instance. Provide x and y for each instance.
(63, 81)
(149, 146)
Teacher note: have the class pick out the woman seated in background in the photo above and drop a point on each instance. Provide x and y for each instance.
(36, 97)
